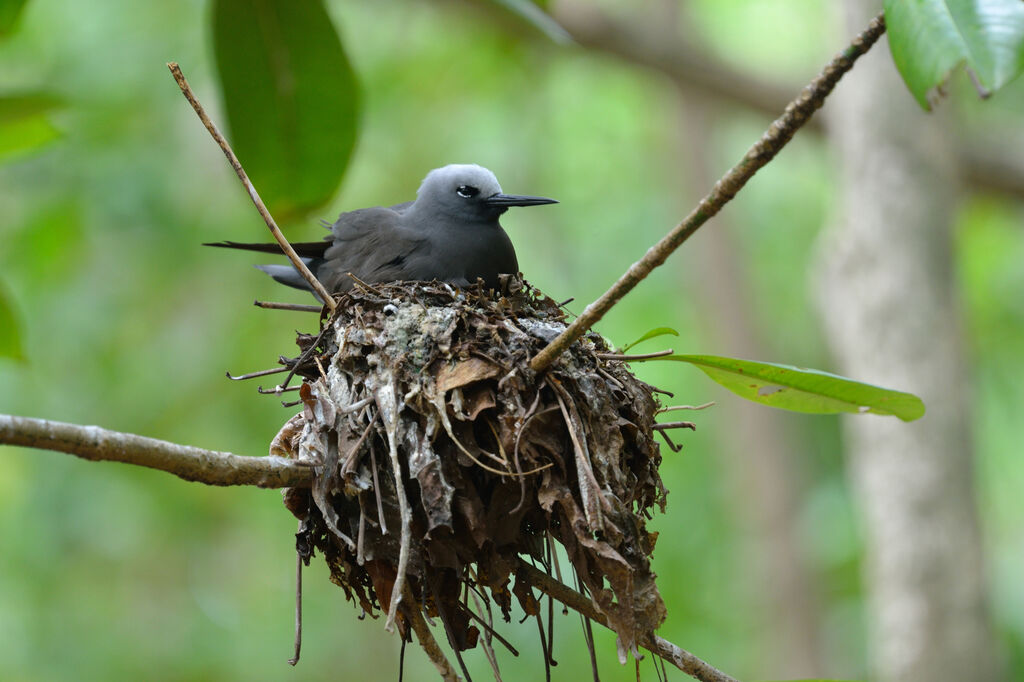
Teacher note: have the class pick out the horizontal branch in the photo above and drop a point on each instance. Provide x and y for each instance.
(680, 658)
(192, 464)
(223, 468)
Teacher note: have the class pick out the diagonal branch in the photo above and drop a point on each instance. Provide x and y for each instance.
(253, 194)
(797, 113)
(680, 658)
(192, 464)
(985, 159)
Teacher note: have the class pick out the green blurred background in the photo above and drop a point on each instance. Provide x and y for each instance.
(113, 572)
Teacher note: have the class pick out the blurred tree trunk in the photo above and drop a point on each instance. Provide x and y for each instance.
(890, 311)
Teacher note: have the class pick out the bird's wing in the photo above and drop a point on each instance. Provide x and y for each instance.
(372, 244)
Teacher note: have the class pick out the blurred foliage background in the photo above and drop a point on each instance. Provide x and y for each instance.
(112, 572)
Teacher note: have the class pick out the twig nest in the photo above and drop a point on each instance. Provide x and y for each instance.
(441, 459)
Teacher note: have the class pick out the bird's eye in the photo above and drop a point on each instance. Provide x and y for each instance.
(466, 191)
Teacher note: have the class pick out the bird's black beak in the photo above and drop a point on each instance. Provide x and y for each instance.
(506, 200)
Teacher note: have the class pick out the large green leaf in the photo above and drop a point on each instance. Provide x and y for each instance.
(930, 38)
(24, 125)
(802, 390)
(291, 97)
(10, 338)
(10, 10)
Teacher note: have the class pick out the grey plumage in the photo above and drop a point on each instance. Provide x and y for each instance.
(449, 233)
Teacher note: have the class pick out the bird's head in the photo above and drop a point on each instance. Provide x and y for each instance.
(469, 192)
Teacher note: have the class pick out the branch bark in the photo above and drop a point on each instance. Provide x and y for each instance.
(983, 162)
(680, 658)
(426, 638)
(192, 464)
(297, 262)
(223, 468)
(764, 150)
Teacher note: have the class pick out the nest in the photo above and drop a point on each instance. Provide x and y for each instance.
(442, 462)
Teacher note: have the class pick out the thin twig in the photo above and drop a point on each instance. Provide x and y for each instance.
(489, 627)
(364, 285)
(277, 390)
(764, 150)
(376, 483)
(634, 358)
(300, 307)
(350, 457)
(311, 351)
(671, 444)
(675, 425)
(703, 77)
(253, 375)
(192, 464)
(489, 632)
(297, 262)
(673, 408)
(590, 490)
(298, 607)
(221, 468)
(389, 407)
(680, 658)
(655, 389)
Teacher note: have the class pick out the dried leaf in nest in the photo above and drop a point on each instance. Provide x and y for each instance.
(440, 458)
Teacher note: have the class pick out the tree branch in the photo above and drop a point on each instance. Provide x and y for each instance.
(764, 150)
(223, 468)
(426, 638)
(984, 162)
(192, 464)
(680, 658)
(253, 194)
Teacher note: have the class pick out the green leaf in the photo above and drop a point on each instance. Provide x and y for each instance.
(654, 333)
(24, 125)
(930, 38)
(10, 10)
(291, 97)
(10, 337)
(533, 14)
(803, 390)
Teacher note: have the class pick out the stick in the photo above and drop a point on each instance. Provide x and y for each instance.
(192, 464)
(674, 425)
(260, 206)
(222, 468)
(253, 375)
(293, 661)
(764, 150)
(427, 641)
(634, 358)
(680, 658)
(270, 305)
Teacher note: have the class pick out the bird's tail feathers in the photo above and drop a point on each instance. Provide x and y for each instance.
(307, 249)
(286, 274)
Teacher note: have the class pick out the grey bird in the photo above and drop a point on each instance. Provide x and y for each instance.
(449, 233)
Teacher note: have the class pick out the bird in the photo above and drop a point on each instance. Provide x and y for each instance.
(449, 233)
